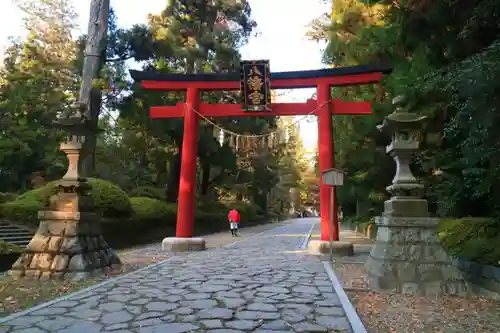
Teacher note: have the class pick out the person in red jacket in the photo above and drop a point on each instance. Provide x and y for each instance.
(234, 219)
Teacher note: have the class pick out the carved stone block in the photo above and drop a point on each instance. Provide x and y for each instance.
(408, 258)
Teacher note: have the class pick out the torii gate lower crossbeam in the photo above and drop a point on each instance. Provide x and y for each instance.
(323, 108)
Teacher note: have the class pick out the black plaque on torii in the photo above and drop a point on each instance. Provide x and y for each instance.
(255, 85)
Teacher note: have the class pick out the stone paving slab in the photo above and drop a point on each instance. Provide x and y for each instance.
(260, 284)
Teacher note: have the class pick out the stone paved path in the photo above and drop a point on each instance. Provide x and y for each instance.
(260, 284)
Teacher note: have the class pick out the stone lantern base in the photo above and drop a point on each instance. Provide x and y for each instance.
(66, 245)
(408, 258)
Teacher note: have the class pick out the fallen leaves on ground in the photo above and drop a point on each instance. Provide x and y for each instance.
(397, 313)
(16, 295)
(23, 294)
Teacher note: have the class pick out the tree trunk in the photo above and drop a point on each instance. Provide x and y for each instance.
(174, 177)
(161, 167)
(89, 146)
(92, 62)
(205, 178)
(97, 30)
(260, 200)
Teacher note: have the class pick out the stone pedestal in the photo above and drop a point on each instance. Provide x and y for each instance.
(177, 244)
(408, 258)
(66, 245)
(318, 247)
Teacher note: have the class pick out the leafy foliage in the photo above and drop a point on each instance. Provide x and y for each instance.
(148, 192)
(473, 239)
(148, 209)
(446, 60)
(39, 83)
(445, 56)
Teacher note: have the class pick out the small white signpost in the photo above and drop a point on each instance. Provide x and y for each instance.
(334, 177)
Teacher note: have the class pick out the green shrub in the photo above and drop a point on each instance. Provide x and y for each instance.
(149, 209)
(206, 222)
(470, 238)
(151, 220)
(9, 248)
(107, 198)
(149, 192)
(5, 197)
(363, 226)
(41, 194)
(24, 211)
(211, 206)
(213, 217)
(357, 220)
(250, 213)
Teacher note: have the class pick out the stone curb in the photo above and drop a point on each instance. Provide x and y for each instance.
(351, 314)
(107, 281)
(303, 246)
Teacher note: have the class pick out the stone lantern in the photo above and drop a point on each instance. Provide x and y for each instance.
(69, 242)
(404, 129)
(407, 256)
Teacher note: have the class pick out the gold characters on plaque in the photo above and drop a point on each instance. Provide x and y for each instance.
(255, 82)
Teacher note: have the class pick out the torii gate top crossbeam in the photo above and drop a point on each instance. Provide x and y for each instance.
(342, 76)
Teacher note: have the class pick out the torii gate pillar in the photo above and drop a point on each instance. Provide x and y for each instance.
(187, 184)
(326, 158)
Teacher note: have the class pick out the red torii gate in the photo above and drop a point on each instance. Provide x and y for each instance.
(322, 80)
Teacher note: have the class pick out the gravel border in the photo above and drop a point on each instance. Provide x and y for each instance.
(397, 313)
(351, 314)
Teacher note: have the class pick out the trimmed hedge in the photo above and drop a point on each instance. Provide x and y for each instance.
(23, 211)
(136, 220)
(208, 206)
(212, 217)
(6, 197)
(151, 210)
(152, 220)
(149, 192)
(471, 238)
(108, 199)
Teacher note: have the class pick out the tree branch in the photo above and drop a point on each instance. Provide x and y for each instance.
(119, 59)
